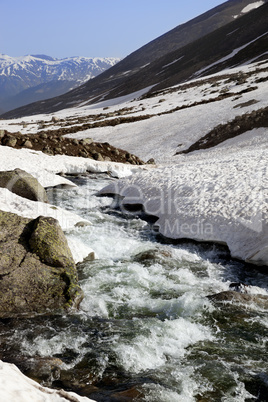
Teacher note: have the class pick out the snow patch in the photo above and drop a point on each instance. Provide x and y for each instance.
(252, 6)
(14, 386)
(210, 196)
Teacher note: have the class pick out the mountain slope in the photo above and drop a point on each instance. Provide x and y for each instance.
(30, 78)
(159, 64)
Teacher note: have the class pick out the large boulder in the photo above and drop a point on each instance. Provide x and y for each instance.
(37, 271)
(23, 184)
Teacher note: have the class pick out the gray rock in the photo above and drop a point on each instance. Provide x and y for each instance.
(28, 144)
(87, 141)
(10, 141)
(55, 119)
(23, 184)
(97, 156)
(37, 271)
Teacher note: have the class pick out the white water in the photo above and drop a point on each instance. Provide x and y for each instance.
(150, 317)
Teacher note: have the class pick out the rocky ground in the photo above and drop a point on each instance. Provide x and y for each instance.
(223, 132)
(53, 142)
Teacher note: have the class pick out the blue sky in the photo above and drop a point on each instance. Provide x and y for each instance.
(90, 28)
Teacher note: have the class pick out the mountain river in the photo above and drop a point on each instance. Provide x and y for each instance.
(146, 330)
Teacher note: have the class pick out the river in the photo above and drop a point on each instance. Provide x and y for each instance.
(146, 330)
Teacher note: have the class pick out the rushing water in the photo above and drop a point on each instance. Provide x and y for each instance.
(146, 329)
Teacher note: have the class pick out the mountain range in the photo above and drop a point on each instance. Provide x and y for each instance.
(29, 79)
(231, 34)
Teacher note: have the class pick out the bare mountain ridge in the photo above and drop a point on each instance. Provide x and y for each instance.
(144, 68)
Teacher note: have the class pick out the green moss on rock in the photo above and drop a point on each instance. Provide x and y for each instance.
(37, 271)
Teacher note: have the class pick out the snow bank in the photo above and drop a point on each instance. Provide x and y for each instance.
(14, 386)
(46, 167)
(218, 195)
(11, 202)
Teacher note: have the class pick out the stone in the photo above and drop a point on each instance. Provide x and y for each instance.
(10, 141)
(23, 184)
(55, 119)
(2, 133)
(97, 156)
(152, 256)
(49, 243)
(37, 271)
(242, 298)
(28, 144)
(44, 136)
(87, 141)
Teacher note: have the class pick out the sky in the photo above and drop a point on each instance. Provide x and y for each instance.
(90, 28)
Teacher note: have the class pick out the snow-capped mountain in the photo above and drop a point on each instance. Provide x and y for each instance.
(230, 34)
(201, 115)
(31, 78)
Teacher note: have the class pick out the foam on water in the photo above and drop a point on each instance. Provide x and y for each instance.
(158, 342)
(150, 316)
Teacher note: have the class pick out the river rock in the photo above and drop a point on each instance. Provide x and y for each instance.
(23, 184)
(37, 271)
(242, 298)
(152, 256)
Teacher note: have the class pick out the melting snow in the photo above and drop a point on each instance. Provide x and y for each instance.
(14, 386)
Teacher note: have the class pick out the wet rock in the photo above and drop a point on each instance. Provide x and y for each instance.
(37, 271)
(23, 184)
(239, 287)
(45, 370)
(131, 394)
(151, 161)
(152, 256)
(230, 296)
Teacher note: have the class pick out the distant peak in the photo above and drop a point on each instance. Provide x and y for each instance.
(43, 57)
